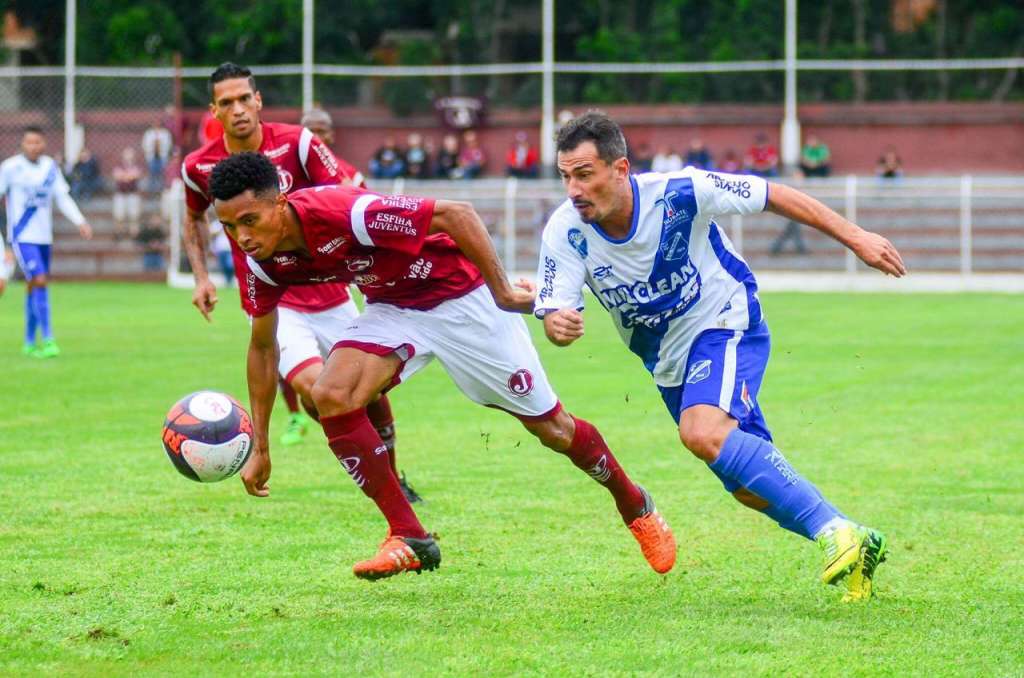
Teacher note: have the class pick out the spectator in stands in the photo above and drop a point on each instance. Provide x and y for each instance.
(157, 144)
(471, 158)
(170, 195)
(730, 163)
(642, 159)
(417, 161)
(448, 158)
(889, 165)
(522, 160)
(387, 162)
(791, 232)
(815, 158)
(697, 155)
(666, 160)
(762, 158)
(127, 206)
(85, 177)
(152, 240)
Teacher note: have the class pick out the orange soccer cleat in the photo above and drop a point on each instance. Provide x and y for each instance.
(400, 554)
(655, 536)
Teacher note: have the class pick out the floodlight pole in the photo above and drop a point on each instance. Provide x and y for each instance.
(71, 143)
(547, 120)
(307, 54)
(790, 124)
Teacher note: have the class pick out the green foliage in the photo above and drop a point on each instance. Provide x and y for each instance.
(899, 409)
(128, 32)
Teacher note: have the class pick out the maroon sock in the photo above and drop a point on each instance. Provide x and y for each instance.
(291, 398)
(589, 453)
(311, 411)
(380, 416)
(360, 450)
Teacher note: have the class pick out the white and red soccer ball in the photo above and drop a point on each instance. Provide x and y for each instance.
(207, 436)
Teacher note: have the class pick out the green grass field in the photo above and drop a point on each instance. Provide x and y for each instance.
(905, 410)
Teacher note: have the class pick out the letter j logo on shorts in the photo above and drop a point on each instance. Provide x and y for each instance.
(699, 371)
(520, 383)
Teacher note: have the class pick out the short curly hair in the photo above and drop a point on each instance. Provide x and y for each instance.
(597, 127)
(243, 172)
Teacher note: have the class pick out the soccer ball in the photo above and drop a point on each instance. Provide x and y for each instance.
(207, 436)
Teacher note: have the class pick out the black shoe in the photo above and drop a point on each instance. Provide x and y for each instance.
(410, 494)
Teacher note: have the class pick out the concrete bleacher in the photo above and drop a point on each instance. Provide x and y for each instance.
(104, 257)
(921, 217)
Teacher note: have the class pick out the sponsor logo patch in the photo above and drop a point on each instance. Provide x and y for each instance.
(327, 158)
(699, 371)
(602, 272)
(740, 187)
(277, 152)
(359, 264)
(329, 247)
(747, 399)
(550, 268)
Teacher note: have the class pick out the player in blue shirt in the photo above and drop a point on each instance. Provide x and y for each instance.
(30, 183)
(686, 303)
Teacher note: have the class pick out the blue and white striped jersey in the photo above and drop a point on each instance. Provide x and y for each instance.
(673, 276)
(30, 189)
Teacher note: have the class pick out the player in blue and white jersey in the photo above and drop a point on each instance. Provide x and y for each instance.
(686, 303)
(31, 182)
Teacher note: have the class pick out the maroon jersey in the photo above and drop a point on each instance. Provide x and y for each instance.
(302, 160)
(378, 242)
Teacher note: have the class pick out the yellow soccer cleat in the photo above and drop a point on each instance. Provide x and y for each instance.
(872, 554)
(842, 549)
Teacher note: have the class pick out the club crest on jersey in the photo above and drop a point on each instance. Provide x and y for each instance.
(578, 242)
(674, 247)
(674, 213)
(699, 371)
(520, 383)
(284, 180)
(359, 264)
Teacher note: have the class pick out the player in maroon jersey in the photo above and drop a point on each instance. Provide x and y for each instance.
(313, 318)
(434, 288)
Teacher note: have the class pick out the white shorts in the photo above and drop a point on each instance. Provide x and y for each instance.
(306, 338)
(127, 206)
(487, 352)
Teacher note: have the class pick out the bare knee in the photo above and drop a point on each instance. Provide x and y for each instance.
(332, 399)
(555, 433)
(750, 500)
(703, 430)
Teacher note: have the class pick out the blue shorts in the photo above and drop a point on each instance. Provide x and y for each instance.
(725, 369)
(32, 258)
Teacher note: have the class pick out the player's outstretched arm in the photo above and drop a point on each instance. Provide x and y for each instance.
(873, 249)
(193, 236)
(563, 326)
(261, 370)
(461, 222)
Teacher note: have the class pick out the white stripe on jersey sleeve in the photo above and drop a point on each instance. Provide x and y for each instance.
(305, 139)
(359, 219)
(191, 184)
(258, 271)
